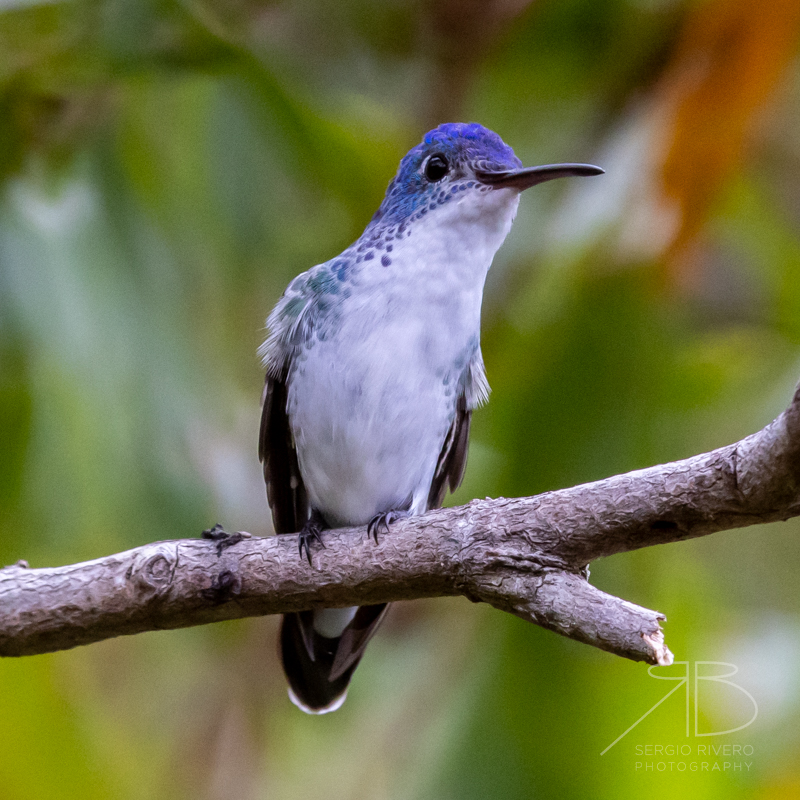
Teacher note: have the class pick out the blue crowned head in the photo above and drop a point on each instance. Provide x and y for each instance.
(460, 157)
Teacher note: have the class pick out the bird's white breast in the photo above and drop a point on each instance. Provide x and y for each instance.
(370, 405)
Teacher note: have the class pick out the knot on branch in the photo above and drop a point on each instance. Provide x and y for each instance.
(21, 564)
(151, 573)
(224, 586)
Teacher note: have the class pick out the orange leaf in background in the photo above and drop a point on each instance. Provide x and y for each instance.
(730, 57)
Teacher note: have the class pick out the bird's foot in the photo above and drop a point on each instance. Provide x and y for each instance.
(222, 538)
(381, 522)
(312, 532)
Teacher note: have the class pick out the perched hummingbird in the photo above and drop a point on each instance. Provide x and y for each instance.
(374, 367)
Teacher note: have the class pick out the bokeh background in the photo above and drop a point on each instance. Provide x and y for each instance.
(168, 166)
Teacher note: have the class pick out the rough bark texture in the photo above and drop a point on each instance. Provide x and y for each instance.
(527, 556)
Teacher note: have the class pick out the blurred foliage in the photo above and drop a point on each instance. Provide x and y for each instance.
(167, 167)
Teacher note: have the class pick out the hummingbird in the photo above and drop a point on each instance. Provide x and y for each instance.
(373, 369)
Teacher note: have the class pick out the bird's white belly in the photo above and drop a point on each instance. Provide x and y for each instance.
(369, 420)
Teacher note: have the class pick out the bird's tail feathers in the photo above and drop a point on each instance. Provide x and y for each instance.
(321, 649)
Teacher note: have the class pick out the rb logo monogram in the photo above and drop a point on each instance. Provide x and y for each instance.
(684, 680)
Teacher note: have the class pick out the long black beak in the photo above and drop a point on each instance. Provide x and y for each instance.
(526, 177)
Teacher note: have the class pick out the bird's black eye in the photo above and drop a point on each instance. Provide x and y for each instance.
(436, 168)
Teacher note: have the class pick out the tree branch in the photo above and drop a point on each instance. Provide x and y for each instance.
(528, 556)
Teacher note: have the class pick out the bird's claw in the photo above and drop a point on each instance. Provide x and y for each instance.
(312, 532)
(383, 521)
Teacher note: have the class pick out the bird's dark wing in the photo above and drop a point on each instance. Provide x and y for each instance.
(474, 391)
(291, 325)
(453, 458)
(286, 491)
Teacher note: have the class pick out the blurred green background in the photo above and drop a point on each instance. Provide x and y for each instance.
(167, 167)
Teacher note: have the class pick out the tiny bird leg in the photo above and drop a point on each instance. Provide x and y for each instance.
(311, 532)
(384, 520)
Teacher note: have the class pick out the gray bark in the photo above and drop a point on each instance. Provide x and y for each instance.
(528, 556)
